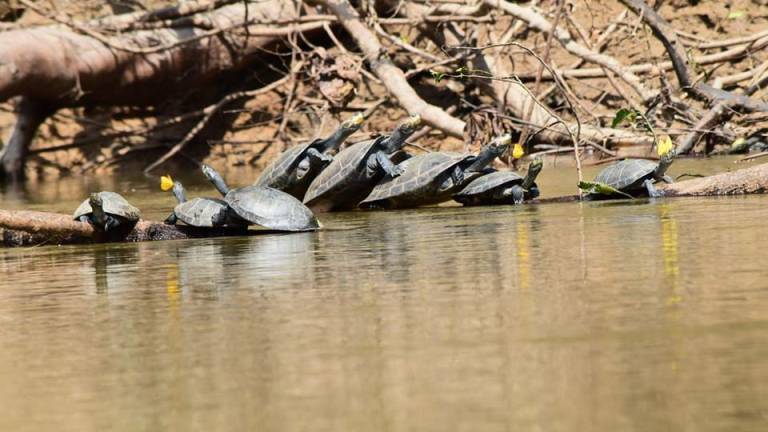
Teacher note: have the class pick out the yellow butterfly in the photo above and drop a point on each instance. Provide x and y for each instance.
(664, 145)
(517, 151)
(166, 182)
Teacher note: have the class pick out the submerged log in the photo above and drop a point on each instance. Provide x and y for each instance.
(26, 228)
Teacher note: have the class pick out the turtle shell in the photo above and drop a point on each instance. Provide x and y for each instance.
(343, 184)
(419, 184)
(627, 175)
(490, 182)
(482, 191)
(281, 173)
(271, 209)
(203, 212)
(113, 204)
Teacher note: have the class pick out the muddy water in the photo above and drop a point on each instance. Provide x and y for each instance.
(561, 317)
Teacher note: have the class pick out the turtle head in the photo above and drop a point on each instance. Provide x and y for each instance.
(491, 151)
(534, 168)
(346, 128)
(99, 218)
(214, 177)
(401, 133)
(500, 144)
(353, 123)
(95, 200)
(410, 124)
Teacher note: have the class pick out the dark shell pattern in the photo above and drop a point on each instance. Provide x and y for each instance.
(271, 209)
(202, 212)
(344, 181)
(113, 203)
(278, 174)
(490, 182)
(629, 173)
(419, 184)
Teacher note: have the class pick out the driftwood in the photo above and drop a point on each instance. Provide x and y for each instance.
(24, 228)
(753, 180)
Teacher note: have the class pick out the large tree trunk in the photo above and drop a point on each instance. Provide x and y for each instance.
(53, 67)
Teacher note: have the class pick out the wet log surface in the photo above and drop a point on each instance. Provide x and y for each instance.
(26, 228)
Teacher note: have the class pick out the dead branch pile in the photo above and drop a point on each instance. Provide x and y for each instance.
(565, 77)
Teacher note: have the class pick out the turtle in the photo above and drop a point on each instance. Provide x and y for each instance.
(107, 212)
(294, 169)
(432, 178)
(355, 170)
(502, 187)
(264, 206)
(200, 212)
(632, 177)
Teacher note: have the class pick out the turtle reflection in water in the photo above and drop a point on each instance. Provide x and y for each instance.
(632, 177)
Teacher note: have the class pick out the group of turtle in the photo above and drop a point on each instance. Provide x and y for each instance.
(371, 174)
(377, 173)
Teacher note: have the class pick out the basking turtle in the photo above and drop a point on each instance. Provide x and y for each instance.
(270, 208)
(199, 212)
(107, 212)
(632, 177)
(432, 178)
(295, 168)
(356, 170)
(502, 187)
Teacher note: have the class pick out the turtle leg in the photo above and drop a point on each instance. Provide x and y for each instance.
(84, 219)
(321, 157)
(518, 194)
(382, 162)
(533, 192)
(171, 219)
(303, 168)
(457, 175)
(652, 191)
(111, 223)
(667, 179)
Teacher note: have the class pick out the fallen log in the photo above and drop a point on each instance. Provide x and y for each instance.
(753, 180)
(26, 228)
(72, 64)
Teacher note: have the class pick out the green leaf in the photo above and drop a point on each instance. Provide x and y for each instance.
(623, 115)
(437, 76)
(736, 14)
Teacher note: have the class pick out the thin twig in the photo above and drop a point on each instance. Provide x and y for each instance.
(209, 112)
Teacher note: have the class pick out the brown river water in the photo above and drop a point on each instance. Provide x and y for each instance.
(609, 316)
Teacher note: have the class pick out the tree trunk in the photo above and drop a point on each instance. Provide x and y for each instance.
(53, 67)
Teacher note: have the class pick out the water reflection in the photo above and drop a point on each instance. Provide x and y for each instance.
(591, 316)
